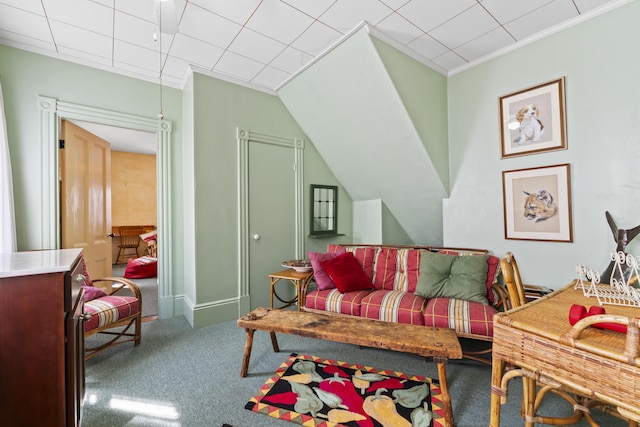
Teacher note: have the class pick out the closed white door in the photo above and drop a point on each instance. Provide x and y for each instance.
(271, 184)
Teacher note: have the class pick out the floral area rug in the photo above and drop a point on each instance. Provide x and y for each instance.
(317, 392)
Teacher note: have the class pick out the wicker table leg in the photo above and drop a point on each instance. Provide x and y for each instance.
(444, 388)
(247, 353)
(496, 390)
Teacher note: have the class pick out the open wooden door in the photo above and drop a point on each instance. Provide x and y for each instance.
(85, 197)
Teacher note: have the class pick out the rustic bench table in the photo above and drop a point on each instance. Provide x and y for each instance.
(440, 343)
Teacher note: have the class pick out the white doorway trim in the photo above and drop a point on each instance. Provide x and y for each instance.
(245, 136)
(52, 112)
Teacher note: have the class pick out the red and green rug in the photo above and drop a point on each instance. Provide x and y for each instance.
(317, 392)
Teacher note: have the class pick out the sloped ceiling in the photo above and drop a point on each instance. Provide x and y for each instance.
(348, 105)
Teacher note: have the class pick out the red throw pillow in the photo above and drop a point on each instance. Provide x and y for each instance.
(347, 273)
(322, 279)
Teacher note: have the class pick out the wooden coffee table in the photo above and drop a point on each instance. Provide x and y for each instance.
(439, 343)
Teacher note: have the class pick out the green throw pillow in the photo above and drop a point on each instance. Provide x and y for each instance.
(453, 276)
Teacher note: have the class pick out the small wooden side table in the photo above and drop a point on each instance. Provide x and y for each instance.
(299, 280)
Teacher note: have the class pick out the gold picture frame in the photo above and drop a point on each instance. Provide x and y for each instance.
(533, 120)
(537, 203)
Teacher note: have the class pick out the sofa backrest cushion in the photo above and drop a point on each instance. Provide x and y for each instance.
(493, 268)
(322, 279)
(345, 271)
(365, 256)
(396, 269)
(451, 276)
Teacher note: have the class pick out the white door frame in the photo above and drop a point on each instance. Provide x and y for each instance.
(245, 136)
(52, 112)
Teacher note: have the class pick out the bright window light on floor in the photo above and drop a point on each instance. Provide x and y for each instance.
(153, 409)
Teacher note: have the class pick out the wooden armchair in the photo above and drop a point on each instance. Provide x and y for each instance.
(104, 312)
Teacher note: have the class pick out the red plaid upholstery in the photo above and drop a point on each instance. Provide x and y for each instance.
(463, 316)
(393, 306)
(397, 269)
(364, 255)
(333, 301)
(109, 309)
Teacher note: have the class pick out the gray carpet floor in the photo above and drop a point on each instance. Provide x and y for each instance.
(184, 377)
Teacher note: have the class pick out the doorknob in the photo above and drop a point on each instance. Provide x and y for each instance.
(256, 236)
(111, 235)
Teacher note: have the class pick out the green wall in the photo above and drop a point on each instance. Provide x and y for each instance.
(600, 62)
(203, 165)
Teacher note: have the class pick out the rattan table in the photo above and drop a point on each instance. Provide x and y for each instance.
(440, 343)
(538, 338)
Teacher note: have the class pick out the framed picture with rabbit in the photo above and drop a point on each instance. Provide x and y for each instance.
(532, 120)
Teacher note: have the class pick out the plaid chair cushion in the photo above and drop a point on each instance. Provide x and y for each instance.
(333, 301)
(393, 306)
(397, 269)
(109, 309)
(462, 316)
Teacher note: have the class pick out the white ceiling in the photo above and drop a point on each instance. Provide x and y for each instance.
(262, 43)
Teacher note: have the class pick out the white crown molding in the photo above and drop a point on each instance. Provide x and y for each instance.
(539, 36)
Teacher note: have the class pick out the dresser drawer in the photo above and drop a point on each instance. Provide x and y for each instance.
(73, 280)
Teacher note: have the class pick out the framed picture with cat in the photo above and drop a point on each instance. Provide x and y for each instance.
(537, 203)
(532, 120)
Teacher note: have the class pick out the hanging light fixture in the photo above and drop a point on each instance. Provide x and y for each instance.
(167, 24)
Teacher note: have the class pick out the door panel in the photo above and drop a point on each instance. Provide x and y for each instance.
(85, 197)
(271, 217)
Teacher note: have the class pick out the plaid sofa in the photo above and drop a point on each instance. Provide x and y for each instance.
(394, 273)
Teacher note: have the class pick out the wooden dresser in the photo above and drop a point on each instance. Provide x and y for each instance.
(41, 339)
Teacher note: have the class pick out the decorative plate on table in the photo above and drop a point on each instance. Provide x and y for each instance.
(299, 265)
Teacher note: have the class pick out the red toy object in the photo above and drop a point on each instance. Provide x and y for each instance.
(579, 312)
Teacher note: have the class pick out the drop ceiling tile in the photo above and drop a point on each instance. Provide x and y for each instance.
(395, 4)
(141, 9)
(33, 6)
(313, 8)
(427, 46)
(316, 39)
(175, 67)
(13, 39)
(587, 5)
(208, 27)
(84, 14)
(485, 44)
(238, 66)
(291, 60)
(16, 21)
(85, 57)
(428, 14)
(464, 27)
(195, 52)
(238, 11)
(270, 77)
(542, 18)
(135, 30)
(449, 60)
(508, 10)
(346, 14)
(398, 28)
(279, 21)
(254, 45)
(139, 57)
(75, 38)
